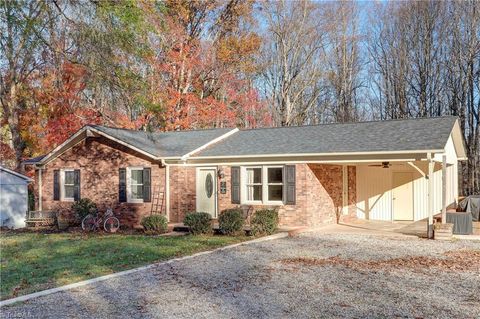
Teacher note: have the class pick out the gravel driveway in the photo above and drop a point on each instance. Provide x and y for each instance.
(284, 278)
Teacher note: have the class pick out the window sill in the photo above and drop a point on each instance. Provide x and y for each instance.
(277, 203)
(68, 200)
(132, 201)
(274, 203)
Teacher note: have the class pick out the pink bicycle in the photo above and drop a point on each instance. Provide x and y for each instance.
(93, 222)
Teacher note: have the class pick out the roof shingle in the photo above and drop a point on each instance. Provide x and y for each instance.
(164, 144)
(375, 136)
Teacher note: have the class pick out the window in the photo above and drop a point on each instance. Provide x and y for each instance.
(275, 183)
(68, 184)
(263, 185)
(135, 185)
(254, 184)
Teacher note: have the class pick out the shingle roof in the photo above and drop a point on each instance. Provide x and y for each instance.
(164, 144)
(33, 160)
(377, 136)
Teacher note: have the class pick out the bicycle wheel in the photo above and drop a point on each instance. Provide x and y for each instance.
(111, 224)
(88, 223)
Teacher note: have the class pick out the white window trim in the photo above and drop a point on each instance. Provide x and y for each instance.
(62, 185)
(265, 189)
(264, 201)
(243, 186)
(129, 185)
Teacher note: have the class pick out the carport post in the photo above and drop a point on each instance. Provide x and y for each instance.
(430, 196)
(444, 189)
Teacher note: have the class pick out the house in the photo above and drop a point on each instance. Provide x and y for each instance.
(314, 175)
(13, 198)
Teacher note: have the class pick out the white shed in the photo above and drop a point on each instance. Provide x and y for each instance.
(13, 198)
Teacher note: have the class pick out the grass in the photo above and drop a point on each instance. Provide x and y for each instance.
(32, 262)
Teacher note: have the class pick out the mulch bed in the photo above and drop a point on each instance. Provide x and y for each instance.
(461, 260)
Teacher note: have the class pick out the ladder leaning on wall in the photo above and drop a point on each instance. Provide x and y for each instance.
(158, 199)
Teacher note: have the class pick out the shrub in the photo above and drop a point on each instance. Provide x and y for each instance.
(83, 207)
(264, 221)
(155, 223)
(199, 223)
(231, 221)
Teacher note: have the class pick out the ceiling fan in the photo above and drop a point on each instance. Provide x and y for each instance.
(383, 165)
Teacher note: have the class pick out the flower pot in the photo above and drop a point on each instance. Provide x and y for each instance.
(63, 222)
(443, 231)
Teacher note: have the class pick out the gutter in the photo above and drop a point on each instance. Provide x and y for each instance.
(321, 154)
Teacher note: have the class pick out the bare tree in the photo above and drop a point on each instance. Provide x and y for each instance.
(425, 61)
(293, 59)
(344, 60)
(462, 83)
(388, 53)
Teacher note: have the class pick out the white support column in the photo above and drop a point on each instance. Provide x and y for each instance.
(430, 196)
(444, 189)
(167, 191)
(40, 186)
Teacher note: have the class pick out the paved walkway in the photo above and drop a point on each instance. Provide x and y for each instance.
(418, 228)
(269, 280)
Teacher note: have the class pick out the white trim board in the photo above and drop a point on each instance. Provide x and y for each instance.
(339, 162)
(318, 154)
(216, 140)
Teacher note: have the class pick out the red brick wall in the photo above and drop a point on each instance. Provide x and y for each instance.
(99, 160)
(318, 195)
(182, 192)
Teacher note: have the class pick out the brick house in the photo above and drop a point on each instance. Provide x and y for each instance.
(313, 174)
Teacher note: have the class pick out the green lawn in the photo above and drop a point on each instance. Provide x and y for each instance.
(32, 261)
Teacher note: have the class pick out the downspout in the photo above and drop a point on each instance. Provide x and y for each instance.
(167, 189)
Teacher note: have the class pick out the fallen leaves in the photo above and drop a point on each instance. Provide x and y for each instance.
(461, 260)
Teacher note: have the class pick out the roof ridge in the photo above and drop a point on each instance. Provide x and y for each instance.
(162, 132)
(351, 123)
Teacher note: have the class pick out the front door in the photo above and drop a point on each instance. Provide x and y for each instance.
(207, 191)
(402, 196)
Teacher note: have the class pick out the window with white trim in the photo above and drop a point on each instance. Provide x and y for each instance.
(275, 183)
(262, 185)
(135, 184)
(253, 182)
(67, 182)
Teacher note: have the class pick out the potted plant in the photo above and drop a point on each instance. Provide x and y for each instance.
(63, 222)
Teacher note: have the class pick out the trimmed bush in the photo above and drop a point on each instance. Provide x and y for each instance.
(264, 221)
(83, 207)
(231, 221)
(155, 224)
(199, 223)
